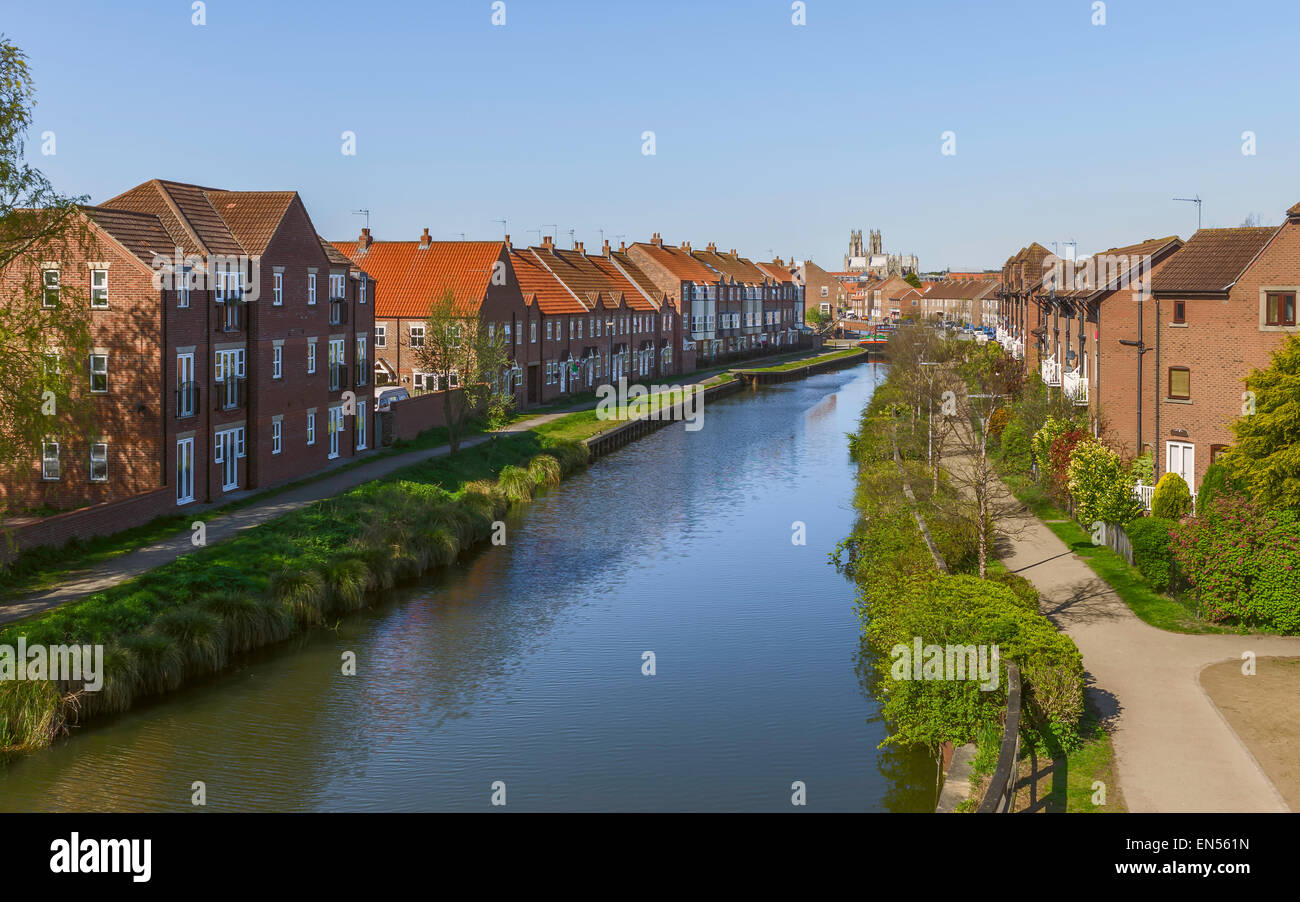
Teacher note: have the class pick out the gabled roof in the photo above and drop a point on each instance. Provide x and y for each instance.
(1117, 267)
(632, 291)
(1212, 260)
(733, 266)
(778, 271)
(679, 262)
(412, 277)
(627, 266)
(142, 234)
(539, 285)
(961, 289)
(252, 216)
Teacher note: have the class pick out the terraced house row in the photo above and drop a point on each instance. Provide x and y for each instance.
(234, 349)
(571, 319)
(1155, 338)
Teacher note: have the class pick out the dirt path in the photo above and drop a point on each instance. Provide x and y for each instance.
(1264, 710)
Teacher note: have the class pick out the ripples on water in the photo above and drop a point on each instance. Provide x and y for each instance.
(523, 663)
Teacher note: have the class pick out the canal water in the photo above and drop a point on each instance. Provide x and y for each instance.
(524, 664)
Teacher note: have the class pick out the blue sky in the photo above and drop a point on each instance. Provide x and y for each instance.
(770, 137)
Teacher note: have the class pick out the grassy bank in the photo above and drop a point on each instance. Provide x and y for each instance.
(189, 617)
(804, 361)
(1156, 608)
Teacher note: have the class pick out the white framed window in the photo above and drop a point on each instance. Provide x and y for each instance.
(424, 381)
(99, 288)
(361, 425)
(182, 286)
(277, 362)
(417, 335)
(239, 442)
(184, 470)
(99, 462)
(381, 335)
(506, 329)
(277, 289)
(453, 380)
(338, 285)
(311, 288)
(50, 460)
(361, 289)
(532, 332)
(1180, 458)
(98, 373)
(311, 357)
(311, 428)
(276, 442)
(49, 288)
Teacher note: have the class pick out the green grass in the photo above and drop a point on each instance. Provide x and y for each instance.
(1071, 788)
(807, 360)
(1163, 611)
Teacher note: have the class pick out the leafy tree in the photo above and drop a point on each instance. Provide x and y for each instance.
(1266, 456)
(44, 323)
(470, 359)
(913, 279)
(1100, 486)
(1172, 499)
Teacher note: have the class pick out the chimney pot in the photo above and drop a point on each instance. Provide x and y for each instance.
(365, 238)
(508, 243)
(425, 240)
(579, 248)
(605, 250)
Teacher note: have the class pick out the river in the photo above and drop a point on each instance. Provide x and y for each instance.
(524, 663)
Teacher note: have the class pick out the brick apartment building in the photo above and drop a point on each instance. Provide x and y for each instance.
(1221, 306)
(822, 290)
(694, 289)
(962, 301)
(250, 368)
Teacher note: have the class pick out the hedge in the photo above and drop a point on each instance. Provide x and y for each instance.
(1152, 552)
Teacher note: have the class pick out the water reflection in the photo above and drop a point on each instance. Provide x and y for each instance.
(523, 662)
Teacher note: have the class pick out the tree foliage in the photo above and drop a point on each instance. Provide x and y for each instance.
(44, 337)
(1100, 486)
(1172, 499)
(471, 360)
(1266, 456)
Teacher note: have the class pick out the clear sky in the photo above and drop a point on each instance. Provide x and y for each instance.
(770, 137)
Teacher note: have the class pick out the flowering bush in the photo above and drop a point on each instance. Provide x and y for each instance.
(1100, 486)
(1244, 563)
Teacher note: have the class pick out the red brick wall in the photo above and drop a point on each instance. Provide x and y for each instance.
(128, 417)
(101, 519)
(1220, 344)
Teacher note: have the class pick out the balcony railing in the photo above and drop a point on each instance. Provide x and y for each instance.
(1051, 371)
(1002, 336)
(1017, 349)
(1075, 387)
(361, 375)
(231, 315)
(338, 311)
(1143, 493)
(187, 399)
(232, 394)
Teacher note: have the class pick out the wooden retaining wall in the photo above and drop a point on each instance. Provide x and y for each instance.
(613, 439)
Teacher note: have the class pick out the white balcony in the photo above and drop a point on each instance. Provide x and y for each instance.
(1143, 493)
(1075, 387)
(1018, 349)
(1002, 336)
(1051, 371)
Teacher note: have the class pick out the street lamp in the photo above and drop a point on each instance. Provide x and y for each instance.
(930, 419)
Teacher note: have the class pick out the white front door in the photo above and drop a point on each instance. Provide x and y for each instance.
(336, 429)
(229, 462)
(1180, 458)
(184, 470)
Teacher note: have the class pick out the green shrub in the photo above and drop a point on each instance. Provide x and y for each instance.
(1152, 552)
(1016, 454)
(1172, 499)
(545, 470)
(1243, 562)
(1143, 469)
(1026, 595)
(1101, 488)
(516, 484)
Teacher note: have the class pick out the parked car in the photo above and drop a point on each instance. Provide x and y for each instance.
(384, 400)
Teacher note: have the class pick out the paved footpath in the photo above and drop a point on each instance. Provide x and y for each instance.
(1173, 750)
(224, 526)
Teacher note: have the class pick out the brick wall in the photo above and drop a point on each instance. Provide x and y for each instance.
(101, 519)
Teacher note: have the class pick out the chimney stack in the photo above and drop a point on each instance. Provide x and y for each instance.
(509, 244)
(579, 248)
(622, 247)
(547, 242)
(605, 250)
(657, 240)
(712, 248)
(365, 239)
(733, 252)
(425, 240)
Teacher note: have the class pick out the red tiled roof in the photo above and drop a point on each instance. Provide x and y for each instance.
(632, 293)
(780, 272)
(539, 284)
(411, 277)
(680, 263)
(252, 216)
(627, 266)
(1212, 259)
